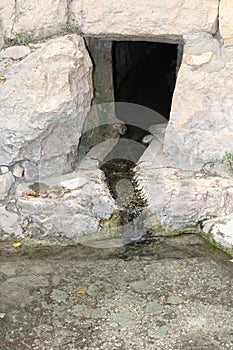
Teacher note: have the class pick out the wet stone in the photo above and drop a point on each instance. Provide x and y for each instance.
(178, 301)
(96, 313)
(8, 270)
(42, 269)
(124, 319)
(56, 280)
(78, 310)
(125, 300)
(154, 308)
(58, 295)
(142, 287)
(174, 300)
(30, 281)
(160, 333)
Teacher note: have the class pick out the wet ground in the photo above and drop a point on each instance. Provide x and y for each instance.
(163, 294)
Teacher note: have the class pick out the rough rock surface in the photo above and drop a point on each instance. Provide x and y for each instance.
(16, 52)
(45, 98)
(221, 229)
(1, 38)
(148, 18)
(9, 222)
(225, 21)
(200, 127)
(73, 205)
(180, 198)
(6, 181)
(26, 17)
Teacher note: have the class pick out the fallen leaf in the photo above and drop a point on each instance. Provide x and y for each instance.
(16, 244)
(27, 345)
(81, 291)
(37, 341)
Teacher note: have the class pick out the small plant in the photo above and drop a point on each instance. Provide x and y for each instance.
(22, 38)
(69, 29)
(227, 159)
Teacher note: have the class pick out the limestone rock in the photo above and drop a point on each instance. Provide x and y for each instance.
(200, 128)
(9, 222)
(221, 229)
(31, 19)
(1, 37)
(198, 60)
(18, 170)
(225, 21)
(6, 181)
(71, 206)
(148, 18)
(15, 52)
(181, 198)
(45, 100)
(4, 170)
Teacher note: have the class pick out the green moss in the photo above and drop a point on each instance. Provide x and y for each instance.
(22, 38)
(210, 240)
(70, 29)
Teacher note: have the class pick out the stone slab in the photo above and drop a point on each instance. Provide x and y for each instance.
(144, 19)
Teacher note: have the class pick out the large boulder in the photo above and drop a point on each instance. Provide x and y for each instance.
(181, 198)
(73, 204)
(200, 127)
(46, 92)
(148, 18)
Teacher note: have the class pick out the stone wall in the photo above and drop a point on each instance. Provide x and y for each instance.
(46, 82)
(149, 19)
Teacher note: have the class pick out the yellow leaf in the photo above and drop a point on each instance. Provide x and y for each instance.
(81, 291)
(16, 244)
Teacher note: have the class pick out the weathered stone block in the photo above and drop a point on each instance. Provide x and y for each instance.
(45, 99)
(73, 205)
(9, 222)
(200, 127)
(181, 198)
(225, 21)
(6, 181)
(32, 19)
(148, 18)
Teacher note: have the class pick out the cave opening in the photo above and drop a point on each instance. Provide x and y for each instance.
(136, 79)
(144, 73)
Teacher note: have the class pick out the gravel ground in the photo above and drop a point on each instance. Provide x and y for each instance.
(162, 294)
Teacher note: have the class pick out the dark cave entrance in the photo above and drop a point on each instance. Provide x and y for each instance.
(144, 73)
(136, 79)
